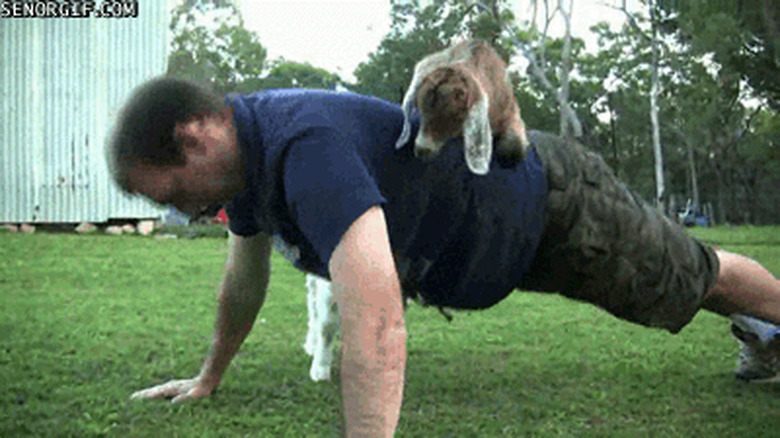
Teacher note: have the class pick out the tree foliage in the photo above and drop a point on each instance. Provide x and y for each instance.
(288, 74)
(210, 44)
(742, 35)
(718, 97)
(417, 32)
(709, 115)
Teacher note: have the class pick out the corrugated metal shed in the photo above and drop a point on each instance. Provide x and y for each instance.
(62, 81)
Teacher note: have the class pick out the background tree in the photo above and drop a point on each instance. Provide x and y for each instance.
(417, 32)
(620, 77)
(658, 155)
(718, 119)
(209, 43)
(288, 74)
(707, 112)
(732, 106)
(534, 44)
(752, 49)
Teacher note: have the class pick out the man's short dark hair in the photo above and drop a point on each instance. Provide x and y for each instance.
(144, 131)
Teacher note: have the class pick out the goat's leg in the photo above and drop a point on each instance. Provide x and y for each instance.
(326, 330)
(512, 143)
(311, 304)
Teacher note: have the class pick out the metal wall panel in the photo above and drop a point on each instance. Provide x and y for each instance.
(62, 81)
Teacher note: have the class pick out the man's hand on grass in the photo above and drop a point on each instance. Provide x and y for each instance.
(176, 390)
(241, 295)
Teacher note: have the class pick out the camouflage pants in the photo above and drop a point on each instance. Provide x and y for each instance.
(604, 245)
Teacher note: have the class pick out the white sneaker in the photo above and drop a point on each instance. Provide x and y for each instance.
(759, 353)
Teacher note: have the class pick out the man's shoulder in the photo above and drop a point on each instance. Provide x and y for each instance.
(311, 95)
(300, 108)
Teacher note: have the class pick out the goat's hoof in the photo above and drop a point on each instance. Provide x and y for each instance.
(510, 150)
(425, 154)
(508, 161)
(308, 347)
(319, 374)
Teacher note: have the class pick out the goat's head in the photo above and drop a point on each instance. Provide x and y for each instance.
(452, 103)
(441, 96)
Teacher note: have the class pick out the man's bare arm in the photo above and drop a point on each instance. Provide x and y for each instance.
(373, 334)
(241, 296)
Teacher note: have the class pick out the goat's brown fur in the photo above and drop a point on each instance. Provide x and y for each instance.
(447, 87)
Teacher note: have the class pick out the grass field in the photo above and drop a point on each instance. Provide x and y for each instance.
(87, 320)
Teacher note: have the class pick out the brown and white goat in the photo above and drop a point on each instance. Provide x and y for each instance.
(464, 90)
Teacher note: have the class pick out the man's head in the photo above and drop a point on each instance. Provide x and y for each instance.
(175, 142)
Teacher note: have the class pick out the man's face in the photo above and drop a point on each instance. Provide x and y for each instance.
(212, 173)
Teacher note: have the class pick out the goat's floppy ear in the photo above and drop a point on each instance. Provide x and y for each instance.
(406, 106)
(477, 138)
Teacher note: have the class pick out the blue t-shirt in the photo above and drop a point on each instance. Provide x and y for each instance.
(317, 160)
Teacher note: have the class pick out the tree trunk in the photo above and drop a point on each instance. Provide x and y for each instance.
(569, 125)
(694, 178)
(660, 187)
(613, 134)
(722, 217)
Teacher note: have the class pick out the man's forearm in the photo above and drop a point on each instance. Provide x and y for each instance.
(372, 376)
(235, 318)
(241, 296)
(373, 334)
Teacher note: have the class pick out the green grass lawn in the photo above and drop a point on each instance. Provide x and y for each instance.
(87, 320)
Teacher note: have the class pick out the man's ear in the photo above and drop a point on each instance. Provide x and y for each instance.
(226, 113)
(194, 127)
(187, 131)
